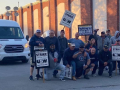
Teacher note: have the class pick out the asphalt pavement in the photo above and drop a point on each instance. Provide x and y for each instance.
(15, 76)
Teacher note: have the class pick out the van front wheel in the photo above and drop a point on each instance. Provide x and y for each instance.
(24, 61)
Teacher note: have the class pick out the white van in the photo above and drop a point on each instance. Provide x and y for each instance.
(13, 44)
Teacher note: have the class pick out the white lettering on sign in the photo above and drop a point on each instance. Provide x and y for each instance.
(67, 19)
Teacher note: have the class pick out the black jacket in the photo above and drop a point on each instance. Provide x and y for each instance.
(105, 57)
(68, 56)
(34, 41)
(63, 43)
(52, 40)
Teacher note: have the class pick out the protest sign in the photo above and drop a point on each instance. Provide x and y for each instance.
(41, 58)
(68, 73)
(116, 53)
(67, 19)
(85, 30)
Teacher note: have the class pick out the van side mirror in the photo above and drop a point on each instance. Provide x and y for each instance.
(27, 37)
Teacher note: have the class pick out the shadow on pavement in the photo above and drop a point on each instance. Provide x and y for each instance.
(12, 63)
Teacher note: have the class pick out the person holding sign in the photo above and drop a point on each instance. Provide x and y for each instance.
(108, 33)
(68, 60)
(52, 39)
(54, 65)
(114, 62)
(76, 41)
(82, 60)
(105, 59)
(36, 40)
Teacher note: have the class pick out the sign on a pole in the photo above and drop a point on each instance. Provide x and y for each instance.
(85, 30)
(67, 19)
(116, 53)
(41, 58)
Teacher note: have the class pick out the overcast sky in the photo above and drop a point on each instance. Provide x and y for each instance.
(12, 3)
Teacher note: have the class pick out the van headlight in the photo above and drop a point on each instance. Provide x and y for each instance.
(26, 45)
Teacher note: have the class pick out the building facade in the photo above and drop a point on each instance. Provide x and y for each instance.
(46, 15)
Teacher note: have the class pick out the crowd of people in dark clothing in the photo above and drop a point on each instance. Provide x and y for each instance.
(82, 57)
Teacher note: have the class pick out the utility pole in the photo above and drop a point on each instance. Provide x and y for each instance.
(18, 4)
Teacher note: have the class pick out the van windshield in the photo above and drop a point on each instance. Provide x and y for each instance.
(11, 33)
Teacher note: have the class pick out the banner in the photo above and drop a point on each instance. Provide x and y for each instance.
(68, 72)
(116, 53)
(41, 58)
(67, 19)
(85, 30)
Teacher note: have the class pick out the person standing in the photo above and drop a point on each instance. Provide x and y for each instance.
(108, 34)
(76, 41)
(36, 40)
(102, 40)
(63, 44)
(52, 39)
(105, 59)
(115, 37)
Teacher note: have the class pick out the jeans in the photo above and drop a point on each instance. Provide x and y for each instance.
(94, 69)
(59, 60)
(114, 65)
(81, 70)
(60, 57)
(49, 72)
(101, 68)
(73, 64)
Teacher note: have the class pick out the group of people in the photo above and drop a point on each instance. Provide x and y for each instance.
(82, 57)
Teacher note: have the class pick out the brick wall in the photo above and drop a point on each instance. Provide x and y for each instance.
(52, 16)
(20, 11)
(67, 30)
(40, 16)
(1, 16)
(112, 15)
(86, 14)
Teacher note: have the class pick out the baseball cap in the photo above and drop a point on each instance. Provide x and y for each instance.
(106, 46)
(72, 44)
(81, 46)
(95, 30)
(107, 30)
(103, 32)
(38, 31)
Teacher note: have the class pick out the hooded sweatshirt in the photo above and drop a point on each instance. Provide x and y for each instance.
(114, 38)
(34, 41)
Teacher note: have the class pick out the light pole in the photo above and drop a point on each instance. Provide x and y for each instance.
(9, 12)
